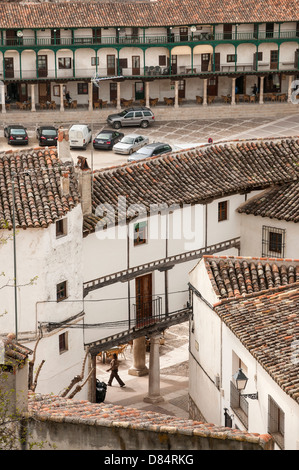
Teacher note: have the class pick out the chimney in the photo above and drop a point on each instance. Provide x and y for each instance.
(63, 146)
(14, 375)
(84, 175)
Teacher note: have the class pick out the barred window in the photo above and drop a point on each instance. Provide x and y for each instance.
(61, 291)
(276, 422)
(273, 242)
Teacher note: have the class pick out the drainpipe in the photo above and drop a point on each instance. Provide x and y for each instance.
(206, 225)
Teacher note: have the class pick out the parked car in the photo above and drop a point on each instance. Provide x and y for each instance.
(134, 116)
(150, 150)
(106, 139)
(80, 136)
(47, 135)
(130, 143)
(16, 134)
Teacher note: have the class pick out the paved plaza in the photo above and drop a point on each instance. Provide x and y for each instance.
(180, 134)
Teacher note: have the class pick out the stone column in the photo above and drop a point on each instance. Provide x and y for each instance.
(261, 90)
(291, 78)
(33, 97)
(118, 96)
(147, 101)
(176, 94)
(154, 373)
(205, 90)
(139, 368)
(233, 91)
(61, 97)
(3, 98)
(90, 103)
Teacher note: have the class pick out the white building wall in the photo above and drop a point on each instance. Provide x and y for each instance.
(251, 235)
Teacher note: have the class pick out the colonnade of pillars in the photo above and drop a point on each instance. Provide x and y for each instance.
(147, 96)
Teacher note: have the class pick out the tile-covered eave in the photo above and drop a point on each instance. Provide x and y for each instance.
(267, 324)
(143, 14)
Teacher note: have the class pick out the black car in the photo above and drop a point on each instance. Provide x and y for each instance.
(150, 150)
(47, 135)
(106, 139)
(16, 134)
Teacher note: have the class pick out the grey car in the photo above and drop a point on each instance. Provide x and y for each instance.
(150, 150)
(130, 143)
(134, 116)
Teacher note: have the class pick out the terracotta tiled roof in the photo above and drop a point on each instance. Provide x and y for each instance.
(157, 13)
(38, 197)
(64, 410)
(267, 324)
(15, 353)
(280, 202)
(237, 276)
(195, 175)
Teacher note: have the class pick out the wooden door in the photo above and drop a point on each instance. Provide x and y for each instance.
(227, 31)
(42, 66)
(139, 90)
(11, 37)
(217, 61)
(95, 92)
(23, 92)
(113, 91)
(96, 35)
(143, 286)
(9, 67)
(205, 62)
(110, 64)
(274, 60)
(136, 65)
(183, 34)
(212, 86)
(174, 64)
(44, 92)
(182, 88)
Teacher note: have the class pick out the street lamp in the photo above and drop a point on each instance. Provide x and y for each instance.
(241, 380)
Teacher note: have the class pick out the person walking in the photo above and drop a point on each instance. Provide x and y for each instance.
(114, 371)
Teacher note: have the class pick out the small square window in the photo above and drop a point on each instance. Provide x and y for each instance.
(231, 58)
(82, 88)
(273, 242)
(94, 61)
(61, 291)
(64, 63)
(222, 211)
(140, 233)
(63, 343)
(61, 228)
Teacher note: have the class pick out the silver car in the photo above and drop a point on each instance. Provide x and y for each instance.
(130, 143)
(135, 116)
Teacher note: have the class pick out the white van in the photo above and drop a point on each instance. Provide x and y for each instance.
(80, 135)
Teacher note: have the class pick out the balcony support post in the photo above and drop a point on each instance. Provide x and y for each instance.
(233, 91)
(90, 103)
(261, 89)
(205, 89)
(147, 100)
(138, 368)
(118, 107)
(33, 109)
(3, 97)
(176, 94)
(291, 78)
(154, 372)
(61, 97)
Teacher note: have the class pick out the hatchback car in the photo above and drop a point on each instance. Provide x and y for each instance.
(135, 116)
(106, 139)
(47, 135)
(130, 143)
(150, 150)
(16, 134)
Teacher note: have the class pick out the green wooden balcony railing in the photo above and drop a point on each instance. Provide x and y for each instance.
(197, 37)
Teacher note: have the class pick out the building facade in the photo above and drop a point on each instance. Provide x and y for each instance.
(104, 54)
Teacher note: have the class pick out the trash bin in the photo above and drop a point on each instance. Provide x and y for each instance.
(101, 389)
